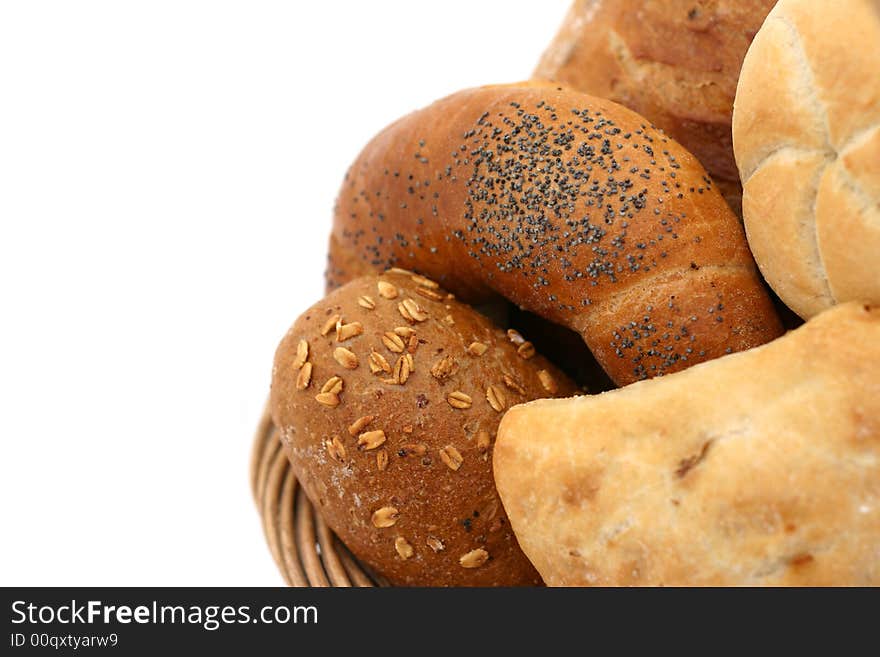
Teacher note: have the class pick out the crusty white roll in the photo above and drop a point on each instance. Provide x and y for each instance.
(806, 133)
(759, 468)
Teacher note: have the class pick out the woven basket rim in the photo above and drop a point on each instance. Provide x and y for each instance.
(304, 548)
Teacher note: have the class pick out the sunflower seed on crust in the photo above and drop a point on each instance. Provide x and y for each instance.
(513, 384)
(401, 370)
(404, 549)
(405, 313)
(302, 354)
(458, 399)
(433, 295)
(526, 350)
(393, 342)
(423, 281)
(345, 357)
(495, 397)
(451, 457)
(330, 324)
(483, 440)
(414, 449)
(435, 544)
(347, 331)
(304, 378)
(385, 517)
(474, 558)
(378, 363)
(334, 385)
(387, 290)
(477, 348)
(360, 424)
(328, 399)
(371, 439)
(412, 311)
(335, 448)
(548, 381)
(444, 368)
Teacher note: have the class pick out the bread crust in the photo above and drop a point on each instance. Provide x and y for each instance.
(396, 453)
(674, 61)
(570, 206)
(807, 140)
(759, 468)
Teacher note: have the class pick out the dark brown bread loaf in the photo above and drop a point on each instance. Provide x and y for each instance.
(387, 395)
(674, 61)
(570, 206)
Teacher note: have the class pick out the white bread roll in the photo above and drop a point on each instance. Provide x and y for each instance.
(759, 468)
(806, 135)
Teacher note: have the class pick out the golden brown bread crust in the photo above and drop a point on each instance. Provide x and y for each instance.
(674, 61)
(570, 206)
(416, 499)
(760, 468)
(807, 138)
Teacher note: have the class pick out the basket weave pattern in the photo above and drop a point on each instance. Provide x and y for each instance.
(306, 551)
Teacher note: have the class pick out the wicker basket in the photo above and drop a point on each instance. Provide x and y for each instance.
(306, 551)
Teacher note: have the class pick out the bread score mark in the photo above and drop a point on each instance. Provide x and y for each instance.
(685, 465)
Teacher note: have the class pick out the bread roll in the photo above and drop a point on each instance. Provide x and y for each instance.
(759, 468)
(570, 206)
(387, 395)
(807, 137)
(674, 61)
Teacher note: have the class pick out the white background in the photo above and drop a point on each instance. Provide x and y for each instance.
(167, 177)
